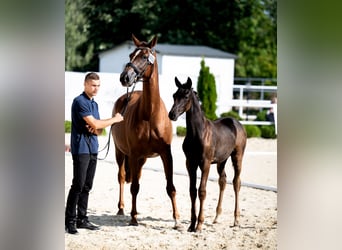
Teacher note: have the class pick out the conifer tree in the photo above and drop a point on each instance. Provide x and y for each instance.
(206, 89)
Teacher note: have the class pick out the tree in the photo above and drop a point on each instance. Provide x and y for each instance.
(246, 28)
(77, 56)
(206, 88)
(257, 34)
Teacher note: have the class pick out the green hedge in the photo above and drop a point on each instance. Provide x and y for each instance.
(268, 131)
(181, 131)
(252, 131)
(67, 126)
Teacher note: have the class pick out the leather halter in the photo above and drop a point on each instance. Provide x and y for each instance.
(150, 60)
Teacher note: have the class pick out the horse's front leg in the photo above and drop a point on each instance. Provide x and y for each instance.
(202, 193)
(136, 168)
(121, 179)
(170, 188)
(192, 171)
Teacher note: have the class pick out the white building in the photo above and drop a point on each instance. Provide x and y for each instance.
(182, 61)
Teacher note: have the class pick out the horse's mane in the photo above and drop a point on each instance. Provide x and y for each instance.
(198, 99)
(196, 94)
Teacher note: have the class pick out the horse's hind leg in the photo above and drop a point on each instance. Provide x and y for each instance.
(237, 164)
(222, 181)
(170, 188)
(120, 159)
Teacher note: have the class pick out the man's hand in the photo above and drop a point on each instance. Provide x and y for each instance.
(91, 129)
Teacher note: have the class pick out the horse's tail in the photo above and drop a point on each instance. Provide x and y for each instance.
(128, 178)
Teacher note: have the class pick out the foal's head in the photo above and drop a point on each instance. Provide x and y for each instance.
(182, 99)
(141, 62)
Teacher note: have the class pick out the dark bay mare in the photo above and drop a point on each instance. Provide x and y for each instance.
(208, 142)
(146, 130)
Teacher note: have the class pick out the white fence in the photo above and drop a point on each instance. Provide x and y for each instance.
(242, 103)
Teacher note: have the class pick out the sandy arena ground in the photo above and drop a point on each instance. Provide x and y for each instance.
(258, 220)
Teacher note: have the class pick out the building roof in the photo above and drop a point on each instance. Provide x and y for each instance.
(185, 50)
(192, 50)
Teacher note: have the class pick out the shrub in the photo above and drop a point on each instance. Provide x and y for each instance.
(261, 116)
(67, 126)
(181, 131)
(268, 131)
(206, 88)
(252, 131)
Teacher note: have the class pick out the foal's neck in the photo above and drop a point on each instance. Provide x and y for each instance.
(195, 118)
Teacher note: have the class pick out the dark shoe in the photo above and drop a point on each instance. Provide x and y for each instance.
(87, 225)
(71, 228)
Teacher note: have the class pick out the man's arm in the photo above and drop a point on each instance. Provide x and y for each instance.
(96, 124)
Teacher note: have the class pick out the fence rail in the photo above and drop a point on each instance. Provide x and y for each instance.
(244, 91)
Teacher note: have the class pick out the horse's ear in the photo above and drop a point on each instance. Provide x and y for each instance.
(153, 42)
(135, 40)
(188, 83)
(178, 84)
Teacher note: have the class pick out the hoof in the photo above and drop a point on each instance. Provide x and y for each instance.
(133, 223)
(120, 212)
(178, 227)
(236, 223)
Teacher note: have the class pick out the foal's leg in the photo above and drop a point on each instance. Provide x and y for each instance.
(121, 179)
(170, 188)
(136, 167)
(237, 164)
(202, 193)
(192, 172)
(222, 181)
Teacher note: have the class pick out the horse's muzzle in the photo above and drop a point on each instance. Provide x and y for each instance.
(127, 78)
(173, 116)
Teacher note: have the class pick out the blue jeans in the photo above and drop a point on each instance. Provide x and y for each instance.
(83, 175)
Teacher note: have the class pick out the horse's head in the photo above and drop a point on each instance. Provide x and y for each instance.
(182, 99)
(141, 62)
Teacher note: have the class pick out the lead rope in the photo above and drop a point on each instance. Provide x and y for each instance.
(128, 97)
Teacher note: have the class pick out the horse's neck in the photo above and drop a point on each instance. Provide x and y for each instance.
(151, 96)
(195, 118)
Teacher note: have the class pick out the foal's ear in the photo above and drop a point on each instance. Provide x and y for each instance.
(178, 84)
(188, 83)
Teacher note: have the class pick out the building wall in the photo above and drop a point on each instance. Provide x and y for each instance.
(222, 69)
(113, 61)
